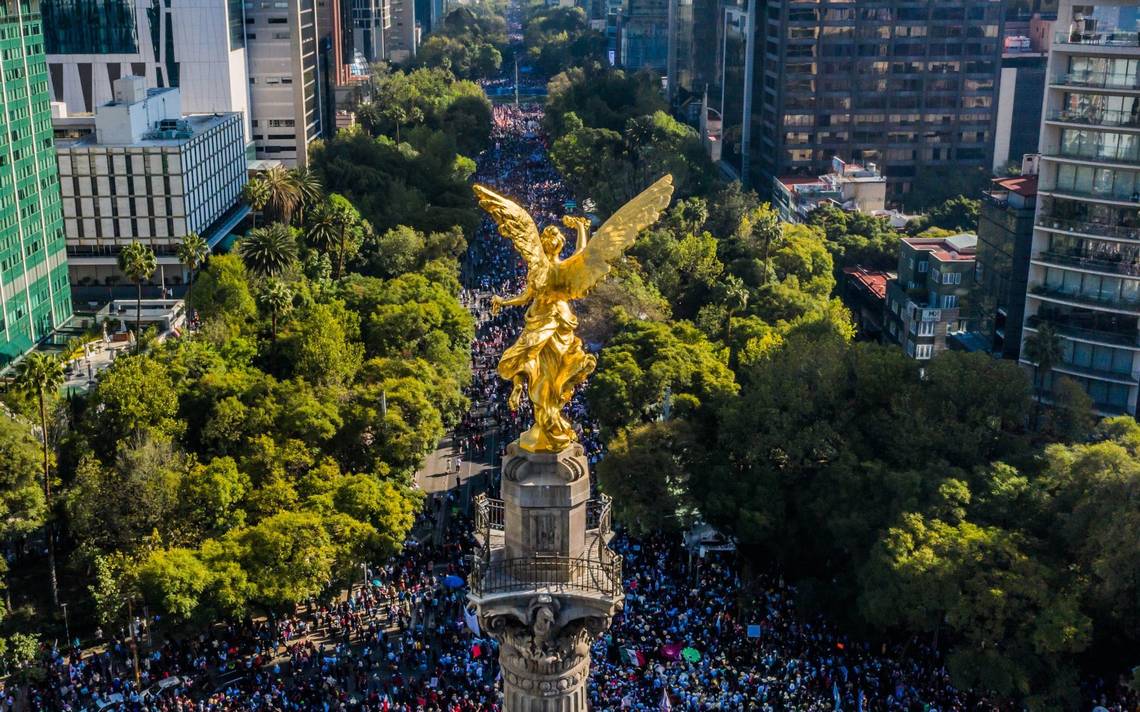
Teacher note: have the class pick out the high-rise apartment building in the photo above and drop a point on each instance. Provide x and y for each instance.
(1005, 234)
(34, 295)
(285, 86)
(1084, 274)
(197, 46)
(645, 35)
(907, 84)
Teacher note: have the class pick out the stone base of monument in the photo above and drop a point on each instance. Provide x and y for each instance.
(544, 581)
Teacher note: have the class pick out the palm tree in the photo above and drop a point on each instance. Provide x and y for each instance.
(256, 193)
(309, 188)
(284, 195)
(192, 252)
(268, 251)
(138, 263)
(1043, 350)
(331, 231)
(276, 300)
(41, 375)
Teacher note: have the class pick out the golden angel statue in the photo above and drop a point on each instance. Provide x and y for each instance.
(548, 355)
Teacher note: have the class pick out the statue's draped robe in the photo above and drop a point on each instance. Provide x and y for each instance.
(551, 357)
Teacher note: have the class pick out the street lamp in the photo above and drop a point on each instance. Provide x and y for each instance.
(66, 625)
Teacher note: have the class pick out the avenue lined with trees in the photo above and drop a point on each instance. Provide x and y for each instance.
(259, 463)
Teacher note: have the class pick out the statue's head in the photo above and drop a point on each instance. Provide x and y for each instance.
(552, 241)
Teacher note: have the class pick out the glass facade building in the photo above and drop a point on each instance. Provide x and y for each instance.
(34, 294)
(1084, 275)
(907, 84)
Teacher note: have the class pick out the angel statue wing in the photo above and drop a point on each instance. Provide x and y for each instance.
(576, 276)
(518, 227)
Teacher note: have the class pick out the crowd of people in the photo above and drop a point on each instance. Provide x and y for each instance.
(692, 636)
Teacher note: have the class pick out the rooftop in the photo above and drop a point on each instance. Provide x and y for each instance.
(874, 280)
(963, 247)
(195, 123)
(1025, 186)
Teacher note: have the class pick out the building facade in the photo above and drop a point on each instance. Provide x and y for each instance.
(195, 45)
(1005, 234)
(1084, 275)
(285, 82)
(141, 170)
(848, 186)
(927, 301)
(34, 294)
(908, 85)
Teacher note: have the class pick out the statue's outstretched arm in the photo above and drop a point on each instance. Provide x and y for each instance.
(498, 302)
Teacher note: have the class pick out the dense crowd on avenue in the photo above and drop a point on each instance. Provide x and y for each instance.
(691, 636)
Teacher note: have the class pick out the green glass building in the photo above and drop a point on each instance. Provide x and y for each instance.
(34, 293)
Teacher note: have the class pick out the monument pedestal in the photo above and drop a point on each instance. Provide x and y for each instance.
(545, 583)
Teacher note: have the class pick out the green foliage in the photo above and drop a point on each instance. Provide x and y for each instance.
(855, 238)
(612, 167)
(269, 251)
(134, 397)
(222, 293)
(559, 38)
(954, 215)
(22, 505)
(647, 472)
(424, 188)
(174, 580)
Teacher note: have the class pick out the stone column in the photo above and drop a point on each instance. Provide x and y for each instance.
(546, 586)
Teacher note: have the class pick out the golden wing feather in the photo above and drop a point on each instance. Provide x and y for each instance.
(518, 227)
(576, 276)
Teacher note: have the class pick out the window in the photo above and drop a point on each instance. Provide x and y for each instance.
(926, 328)
(924, 351)
(949, 301)
(951, 277)
(923, 266)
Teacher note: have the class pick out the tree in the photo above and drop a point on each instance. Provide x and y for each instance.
(276, 300)
(309, 191)
(647, 472)
(41, 375)
(23, 506)
(1043, 350)
(223, 292)
(287, 557)
(1071, 417)
(339, 229)
(133, 396)
(284, 193)
(269, 251)
(256, 194)
(192, 252)
(138, 262)
(173, 580)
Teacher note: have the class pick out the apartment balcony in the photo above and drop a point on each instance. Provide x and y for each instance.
(1092, 80)
(1125, 339)
(1122, 266)
(1096, 117)
(1130, 201)
(1082, 228)
(1111, 303)
(1106, 38)
(1099, 374)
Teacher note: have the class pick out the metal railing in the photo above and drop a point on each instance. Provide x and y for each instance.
(584, 573)
(1098, 81)
(1088, 228)
(1104, 38)
(1125, 266)
(1112, 302)
(1096, 117)
(490, 514)
(599, 514)
(1117, 338)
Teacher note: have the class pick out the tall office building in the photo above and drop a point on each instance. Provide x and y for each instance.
(285, 82)
(402, 35)
(34, 295)
(1005, 236)
(645, 35)
(1084, 274)
(139, 169)
(906, 84)
(197, 46)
